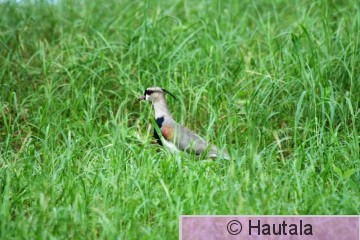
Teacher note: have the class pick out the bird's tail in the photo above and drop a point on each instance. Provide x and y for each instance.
(215, 152)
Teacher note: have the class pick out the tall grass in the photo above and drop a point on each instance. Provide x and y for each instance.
(276, 82)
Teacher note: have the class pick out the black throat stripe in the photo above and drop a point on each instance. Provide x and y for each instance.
(159, 121)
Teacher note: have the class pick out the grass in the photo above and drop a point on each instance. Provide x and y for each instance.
(277, 82)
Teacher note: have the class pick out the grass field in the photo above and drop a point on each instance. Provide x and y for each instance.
(277, 82)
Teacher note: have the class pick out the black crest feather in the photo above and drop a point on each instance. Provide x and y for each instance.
(170, 93)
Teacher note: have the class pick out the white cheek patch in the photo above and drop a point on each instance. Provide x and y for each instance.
(147, 97)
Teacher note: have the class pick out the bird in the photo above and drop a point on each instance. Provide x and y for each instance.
(174, 136)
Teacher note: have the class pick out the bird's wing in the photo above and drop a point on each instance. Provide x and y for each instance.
(187, 140)
(168, 133)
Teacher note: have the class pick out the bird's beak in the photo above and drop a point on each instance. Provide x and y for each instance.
(141, 98)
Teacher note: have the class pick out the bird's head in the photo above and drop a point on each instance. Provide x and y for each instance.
(154, 94)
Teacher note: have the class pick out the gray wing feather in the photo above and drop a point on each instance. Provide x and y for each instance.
(187, 140)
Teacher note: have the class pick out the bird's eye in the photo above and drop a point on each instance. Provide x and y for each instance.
(148, 92)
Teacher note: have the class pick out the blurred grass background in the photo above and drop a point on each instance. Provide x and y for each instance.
(277, 82)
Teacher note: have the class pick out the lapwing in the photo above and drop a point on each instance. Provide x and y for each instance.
(174, 136)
